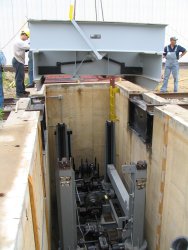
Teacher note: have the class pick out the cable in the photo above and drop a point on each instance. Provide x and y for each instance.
(87, 230)
(26, 3)
(12, 16)
(14, 36)
(102, 10)
(78, 194)
(79, 226)
(96, 9)
(74, 9)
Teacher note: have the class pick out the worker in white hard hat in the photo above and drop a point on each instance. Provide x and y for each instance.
(172, 55)
(20, 47)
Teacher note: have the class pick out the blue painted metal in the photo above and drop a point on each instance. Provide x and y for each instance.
(130, 44)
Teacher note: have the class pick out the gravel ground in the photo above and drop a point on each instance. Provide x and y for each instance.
(9, 82)
(183, 81)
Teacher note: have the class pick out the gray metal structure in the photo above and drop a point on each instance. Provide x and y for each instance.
(101, 205)
(98, 48)
(110, 145)
(119, 187)
(132, 201)
(65, 191)
(67, 205)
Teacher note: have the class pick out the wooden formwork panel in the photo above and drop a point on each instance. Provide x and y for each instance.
(167, 174)
(21, 157)
(130, 148)
(76, 106)
(172, 151)
(84, 108)
(37, 187)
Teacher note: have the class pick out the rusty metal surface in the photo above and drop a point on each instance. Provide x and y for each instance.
(9, 105)
(180, 99)
(185, 106)
(138, 100)
(179, 95)
(6, 115)
(10, 101)
(37, 100)
(64, 78)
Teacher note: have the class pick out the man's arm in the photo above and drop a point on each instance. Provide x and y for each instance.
(182, 50)
(23, 45)
(2, 59)
(165, 52)
(183, 53)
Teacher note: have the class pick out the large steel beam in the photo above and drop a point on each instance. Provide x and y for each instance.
(129, 49)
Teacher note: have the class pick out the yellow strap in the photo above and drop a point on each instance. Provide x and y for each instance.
(113, 91)
(71, 12)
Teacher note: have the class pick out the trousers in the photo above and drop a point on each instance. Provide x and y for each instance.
(30, 67)
(1, 90)
(19, 76)
(174, 69)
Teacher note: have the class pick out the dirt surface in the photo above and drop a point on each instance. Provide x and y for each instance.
(9, 82)
(183, 81)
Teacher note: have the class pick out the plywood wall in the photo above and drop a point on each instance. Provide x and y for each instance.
(129, 147)
(22, 159)
(166, 214)
(169, 167)
(84, 109)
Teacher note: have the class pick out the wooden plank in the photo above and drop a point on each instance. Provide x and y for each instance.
(25, 235)
(16, 152)
(44, 185)
(47, 225)
(21, 155)
(21, 117)
(23, 103)
(175, 206)
(48, 191)
(41, 159)
(84, 108)
(162, 182)
(34, 214)
(37, 176)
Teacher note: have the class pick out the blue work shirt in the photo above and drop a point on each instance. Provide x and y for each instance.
(179, 49)
(2, 60)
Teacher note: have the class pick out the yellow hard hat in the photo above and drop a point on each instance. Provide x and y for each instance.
(26, 32)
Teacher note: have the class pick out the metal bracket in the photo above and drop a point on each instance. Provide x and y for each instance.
(65, 180)
(77, 27)
(140, 183)
(137, 188)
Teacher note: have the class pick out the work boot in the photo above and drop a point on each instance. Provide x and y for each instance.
(30, 86)
(26, 92)
(22, 95)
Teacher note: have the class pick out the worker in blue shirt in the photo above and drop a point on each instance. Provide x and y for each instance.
(172, 55)
(2, 63)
